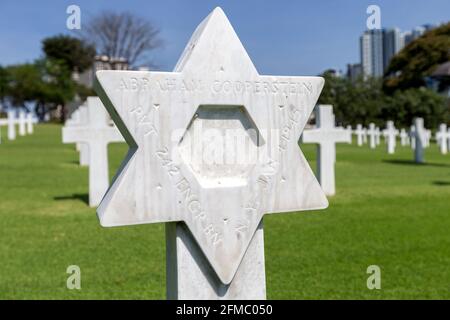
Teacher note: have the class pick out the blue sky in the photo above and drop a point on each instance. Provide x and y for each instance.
(282, 37)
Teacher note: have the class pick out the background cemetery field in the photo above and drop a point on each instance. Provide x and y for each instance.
(388, 211)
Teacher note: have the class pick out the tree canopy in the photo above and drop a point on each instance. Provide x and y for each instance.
(48, 82)
(73, 52)
(364, 101)
(3, 83)
(410, 67)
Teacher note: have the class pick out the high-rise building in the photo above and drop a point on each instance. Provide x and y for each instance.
(354, 71)
(378, 47)
(392, 44)
(417, 32)
(371, 51)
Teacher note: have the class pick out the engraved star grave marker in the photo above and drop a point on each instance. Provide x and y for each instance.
(182, 128)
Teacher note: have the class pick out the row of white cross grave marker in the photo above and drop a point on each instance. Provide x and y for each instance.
(25, 122)
(90, 127)
(216, 104)
(418, 137)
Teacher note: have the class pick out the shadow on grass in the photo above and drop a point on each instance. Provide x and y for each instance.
(413, 163)
(76, 196)
(442, 183)
(76, 162)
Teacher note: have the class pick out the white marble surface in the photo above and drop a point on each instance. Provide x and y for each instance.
(214, 86)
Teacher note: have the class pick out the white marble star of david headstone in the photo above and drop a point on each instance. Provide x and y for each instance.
(215, 90)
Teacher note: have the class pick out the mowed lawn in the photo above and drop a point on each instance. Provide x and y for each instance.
(387, 212)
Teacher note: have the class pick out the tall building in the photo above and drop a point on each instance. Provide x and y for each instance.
(417, 32)
(393, 42)
(371, 51)
(354, 71)
(378, 47)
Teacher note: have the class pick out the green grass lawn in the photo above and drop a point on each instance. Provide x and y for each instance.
(387, 212)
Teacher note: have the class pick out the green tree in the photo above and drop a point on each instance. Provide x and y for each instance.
(47, 83)
(405, 105)
(364, 101)
(410, 67)
(57, 86)
(24, 82)
(3, 84)
(353, 102)
(73, 52)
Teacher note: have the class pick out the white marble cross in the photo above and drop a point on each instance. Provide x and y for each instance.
(30, 122)
(377, 136)
(418, 135)
(442, 138)
(412, 135)
(391, 134)
(80, 118)
(22, 123)
(173, 122)
(359, 135)
(427, 138)
(74, 118)
(350, 134)
(372, 132)
(364, 135)
(403, 137)
(326, 135)
(96, 134)
(83, 148)
(11, 125)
